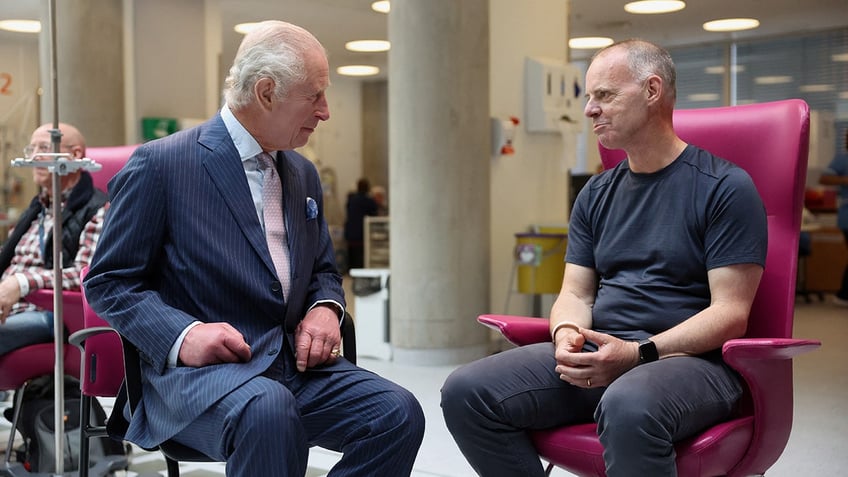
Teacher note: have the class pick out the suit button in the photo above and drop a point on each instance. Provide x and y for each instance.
(276, 286)
(273, 351)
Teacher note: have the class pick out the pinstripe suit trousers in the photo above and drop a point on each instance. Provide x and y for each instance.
(265, 428)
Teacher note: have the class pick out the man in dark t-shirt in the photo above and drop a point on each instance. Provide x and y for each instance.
(665, 254)
(652, 253)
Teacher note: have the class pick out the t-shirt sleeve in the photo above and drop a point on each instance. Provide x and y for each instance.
(737, 227)
(580, 248)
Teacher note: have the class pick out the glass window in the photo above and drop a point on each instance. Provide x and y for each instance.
(812, 67)
(700, 76)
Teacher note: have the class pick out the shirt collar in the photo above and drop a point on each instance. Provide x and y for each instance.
(246, 145)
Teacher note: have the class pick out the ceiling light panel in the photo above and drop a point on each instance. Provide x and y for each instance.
(765, 80)
(701, 97)
(368, 45)
(382, 6)
(21, 26)
(245, 28)
(816, 88)
(651, 7)
(358, 70)
(731, 24)
(589, 42)
(719, 70)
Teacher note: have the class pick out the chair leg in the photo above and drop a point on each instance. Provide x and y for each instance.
(173, 467)
(16, 416)
(85, 444)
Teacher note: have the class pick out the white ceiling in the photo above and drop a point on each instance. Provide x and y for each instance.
(336, 21)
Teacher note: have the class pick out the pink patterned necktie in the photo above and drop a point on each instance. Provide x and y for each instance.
(272, 212)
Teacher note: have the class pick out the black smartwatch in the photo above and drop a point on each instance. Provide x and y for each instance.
(647, 351)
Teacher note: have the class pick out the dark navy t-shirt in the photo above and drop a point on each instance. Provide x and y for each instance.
(652, 238)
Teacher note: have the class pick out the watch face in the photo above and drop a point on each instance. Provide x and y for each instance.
(647, 351)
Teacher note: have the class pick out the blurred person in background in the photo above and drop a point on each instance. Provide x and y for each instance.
(836, 174)
(360, 204)
(26, 257)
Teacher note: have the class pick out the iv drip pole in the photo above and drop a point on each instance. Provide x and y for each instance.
(58, 164)
(56, 203)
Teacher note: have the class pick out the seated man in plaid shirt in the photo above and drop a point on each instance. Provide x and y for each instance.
(26, 258)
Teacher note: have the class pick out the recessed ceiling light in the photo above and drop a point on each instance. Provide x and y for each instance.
(704, 97)
(245, 28)
(732, 24)
(383, 6)
(21, 26)
(589, 42)
(772, 79)
(839, 57)
(700, 97)
(649, 7)
(368, 45)
(719, 70)
(357, 70)
(816, 88)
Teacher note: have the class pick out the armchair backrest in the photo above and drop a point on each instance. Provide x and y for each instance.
(770, 141)
(112, 158)
(103, 359)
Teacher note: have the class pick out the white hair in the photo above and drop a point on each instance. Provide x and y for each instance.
(274, 50)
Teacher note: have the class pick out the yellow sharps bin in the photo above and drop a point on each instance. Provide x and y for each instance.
(541, 260)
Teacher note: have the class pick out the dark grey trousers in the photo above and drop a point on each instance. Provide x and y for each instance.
(489, 405)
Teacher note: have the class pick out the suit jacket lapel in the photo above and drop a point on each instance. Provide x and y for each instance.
(226, 171)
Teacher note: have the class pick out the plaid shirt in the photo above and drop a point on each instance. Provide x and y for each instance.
(28, 263)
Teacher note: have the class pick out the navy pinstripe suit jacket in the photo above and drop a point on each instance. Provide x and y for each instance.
(182, 242)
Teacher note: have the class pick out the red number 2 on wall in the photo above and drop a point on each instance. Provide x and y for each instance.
(5, 83)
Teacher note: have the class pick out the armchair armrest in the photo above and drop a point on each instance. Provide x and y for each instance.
(766, 366)
(519, 330)
(43, 298)
(71, 306)
(78, 338)
(739, 351)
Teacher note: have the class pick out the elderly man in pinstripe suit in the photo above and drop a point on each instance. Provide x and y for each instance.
(238, 333)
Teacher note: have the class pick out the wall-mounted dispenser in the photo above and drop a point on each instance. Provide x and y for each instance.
(503, 133)
(553, 98)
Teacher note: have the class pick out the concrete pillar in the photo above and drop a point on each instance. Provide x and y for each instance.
(89, 69)
(439, 140)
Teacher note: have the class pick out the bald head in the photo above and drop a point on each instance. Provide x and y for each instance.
(72, 142)
(71, 136)
(645, 59)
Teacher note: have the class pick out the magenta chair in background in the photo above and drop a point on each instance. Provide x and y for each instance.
(770, 141)
(102, 374)
(18, 367)
(112, 159)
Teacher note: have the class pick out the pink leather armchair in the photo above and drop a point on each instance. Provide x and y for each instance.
(770, 141)
(112, 158)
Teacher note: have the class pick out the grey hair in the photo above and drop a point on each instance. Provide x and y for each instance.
(645, 59)
(274, 50)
